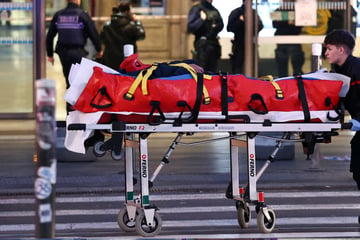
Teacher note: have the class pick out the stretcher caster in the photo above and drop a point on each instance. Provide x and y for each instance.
(148, 226)
(117, 156)
(243, 214)
(126, 223)
(98, 149)
(265, 219)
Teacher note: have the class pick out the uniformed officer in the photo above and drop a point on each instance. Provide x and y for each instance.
(236, 24)
(205, 22)
(73, 26)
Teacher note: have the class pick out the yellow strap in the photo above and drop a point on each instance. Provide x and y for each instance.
(279, 92)
(141, 78)
(144, 75)
(193, 73)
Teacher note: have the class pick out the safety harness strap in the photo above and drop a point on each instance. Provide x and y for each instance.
(194, 74)
(142, 78)
(302, 97)
(278, 92)
(224, 94)
(145, 74)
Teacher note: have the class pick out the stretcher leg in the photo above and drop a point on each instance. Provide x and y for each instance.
(165, 159)
(265, 215)
(234, 169)
(148, 223)
(251, 166)
(130, 145)
(127, 215)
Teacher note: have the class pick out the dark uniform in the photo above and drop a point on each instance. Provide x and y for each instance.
(285, 51)
(120, 30)
(73, 26)
(336, 20)
(236, 24)
(207, 47)
(351, 68)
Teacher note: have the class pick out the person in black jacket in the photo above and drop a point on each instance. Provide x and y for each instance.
(73, 26)
(205, 22)
(339, 46)
(236, 24)
(123, 28)
(285, 51)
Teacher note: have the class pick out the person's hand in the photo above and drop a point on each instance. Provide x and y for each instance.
(134, 17)
(99, 55)
(51, 60)
(355, 125)
(242, 18)
(203, 15)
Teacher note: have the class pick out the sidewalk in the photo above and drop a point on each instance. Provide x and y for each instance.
(203, 167)
(17, 127)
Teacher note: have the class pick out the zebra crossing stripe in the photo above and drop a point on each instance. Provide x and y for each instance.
(286, 207)
(192, 223)
(197, 196)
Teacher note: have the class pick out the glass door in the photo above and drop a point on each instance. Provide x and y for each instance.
(16, 59)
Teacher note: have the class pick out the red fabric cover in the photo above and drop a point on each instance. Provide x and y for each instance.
(169, 92)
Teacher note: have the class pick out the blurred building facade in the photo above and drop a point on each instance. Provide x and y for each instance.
(166, 40)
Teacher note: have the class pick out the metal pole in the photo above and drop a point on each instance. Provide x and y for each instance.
(316, 63)
(45, 178)
(39, 60)
(316, 60)
(248, 65)
(256, 41)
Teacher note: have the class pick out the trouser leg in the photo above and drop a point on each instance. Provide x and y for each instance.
(297, 58)
(355, 158)
(282, 58)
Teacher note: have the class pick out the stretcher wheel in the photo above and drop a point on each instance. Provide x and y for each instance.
(148, 231)
(243, 214)
(98, 149)
(264, 225)
(124, 222)
(117, 156)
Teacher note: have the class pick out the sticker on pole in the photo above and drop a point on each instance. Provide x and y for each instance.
(42, 188)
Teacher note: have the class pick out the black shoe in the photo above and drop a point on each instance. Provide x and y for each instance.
(228, 192)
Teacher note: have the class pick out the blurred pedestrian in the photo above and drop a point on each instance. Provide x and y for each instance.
(284, 52)
(205, 22)
(6, 14)
(73, 26)
(339, 47)
(236, 24)
(123, 28)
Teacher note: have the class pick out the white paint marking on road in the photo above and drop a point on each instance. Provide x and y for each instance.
(197, 196)
(212, 209)
(193, 223)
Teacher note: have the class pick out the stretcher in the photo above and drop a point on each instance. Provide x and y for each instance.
(139, 215)
(99, 94)
(86, 124)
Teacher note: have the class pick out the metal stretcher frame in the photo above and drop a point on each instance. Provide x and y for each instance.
(141, 216)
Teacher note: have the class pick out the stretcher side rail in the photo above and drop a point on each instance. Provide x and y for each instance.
(212, 127)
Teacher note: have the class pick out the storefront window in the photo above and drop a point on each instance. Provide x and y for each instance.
(149, 7)
(16, 69)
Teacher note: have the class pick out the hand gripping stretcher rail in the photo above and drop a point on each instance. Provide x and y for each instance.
(139, 215)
